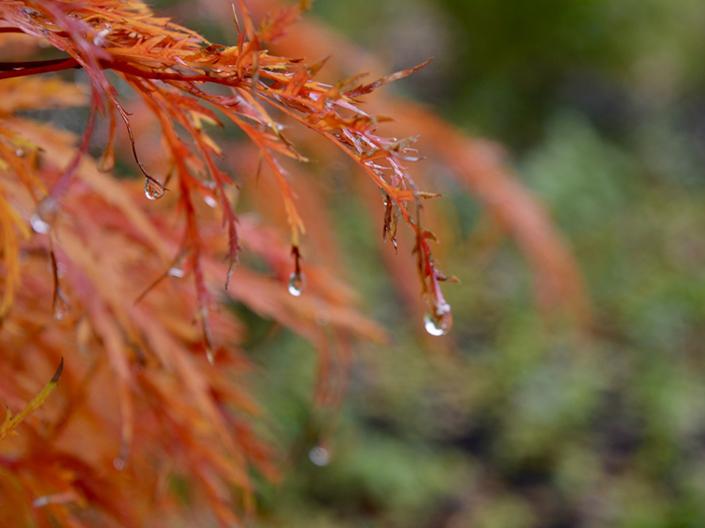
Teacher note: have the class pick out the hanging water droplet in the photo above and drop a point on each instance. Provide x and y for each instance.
(319, 456)
(296, 284)
(210, 201)
(119, 463)
(210, 356)
(176, 272)
(46, 212)
(19, 152)
(38, 225)
(438, 322)
(153, 190)
(432, 326)
(61, 308)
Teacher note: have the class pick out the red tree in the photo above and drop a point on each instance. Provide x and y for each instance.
(124, 279)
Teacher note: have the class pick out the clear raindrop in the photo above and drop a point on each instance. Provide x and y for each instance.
(44, 215)
(40, 502)
(38, 225)
(61, 308)
(100, 37)
(176, 272)
(296, 284)
(439, 321)
(153, 190)
(210, 201)
(319, 456)
(119, 463)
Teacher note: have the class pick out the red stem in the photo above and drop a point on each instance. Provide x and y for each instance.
(9, 70)
(22, 69)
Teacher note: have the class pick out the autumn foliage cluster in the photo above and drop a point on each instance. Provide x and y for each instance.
(126, 279)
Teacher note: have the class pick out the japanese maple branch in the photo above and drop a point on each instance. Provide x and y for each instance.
(21, 69)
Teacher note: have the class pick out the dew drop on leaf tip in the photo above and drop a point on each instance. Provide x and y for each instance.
(44, 215)
(39, 226)
(319, 456)
(210, 356)
(153, 190)
(119, 463)
(61, 309)
(176, 272)
(210, 201)
(296, 284)
(438, 321)
(40, 502)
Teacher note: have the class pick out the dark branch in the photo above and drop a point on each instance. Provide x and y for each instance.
(9, 70)
(23, 69)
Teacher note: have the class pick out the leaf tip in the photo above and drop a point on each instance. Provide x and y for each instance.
(58, 372)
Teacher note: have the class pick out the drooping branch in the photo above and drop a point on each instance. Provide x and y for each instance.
(172, 65)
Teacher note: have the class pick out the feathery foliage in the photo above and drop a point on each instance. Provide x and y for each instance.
(125, 280)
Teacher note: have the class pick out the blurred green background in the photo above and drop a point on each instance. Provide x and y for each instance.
(601, 105)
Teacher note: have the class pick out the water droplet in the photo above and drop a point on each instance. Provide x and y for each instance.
(210, 356)
(296, 284)
(40, 502)
(61, 308)
(176, 272)
(119, 463)
(100, 37)
(153, 190)
(46, 212)
(38, 225)
(439, 321)
(19, 152)
(210, 201)
(319, 456)
(56, 498)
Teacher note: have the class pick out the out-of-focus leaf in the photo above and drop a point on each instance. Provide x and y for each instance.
(11, 421)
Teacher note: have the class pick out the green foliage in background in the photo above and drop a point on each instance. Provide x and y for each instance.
(602, 105)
